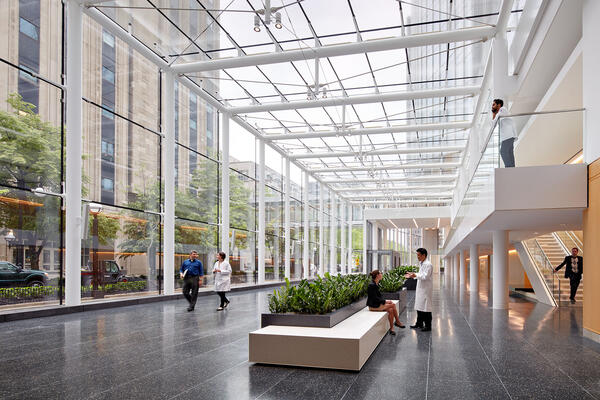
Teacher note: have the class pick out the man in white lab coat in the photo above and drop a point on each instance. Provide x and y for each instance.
(424, 293)
(508, 133)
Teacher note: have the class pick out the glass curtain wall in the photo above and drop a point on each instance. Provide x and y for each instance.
(31, 154)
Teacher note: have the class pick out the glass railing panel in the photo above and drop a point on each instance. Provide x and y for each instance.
(544, 266)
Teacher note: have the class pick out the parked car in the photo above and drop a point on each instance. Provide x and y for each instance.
(11, 276)
(110, 269)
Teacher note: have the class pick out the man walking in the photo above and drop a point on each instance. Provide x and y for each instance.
(508, 134)
(573, 271)
(191, 271)
(424, 293)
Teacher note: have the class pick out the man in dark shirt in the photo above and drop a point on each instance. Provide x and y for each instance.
(573, 270)
(191, 271)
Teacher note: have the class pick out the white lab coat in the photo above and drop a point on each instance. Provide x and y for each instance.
(424, 294)
(223, 278)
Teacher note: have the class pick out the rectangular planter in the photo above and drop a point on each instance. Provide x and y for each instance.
(399, 295)
(313, 320)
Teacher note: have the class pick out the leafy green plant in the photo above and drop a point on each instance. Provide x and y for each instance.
(393, 280)
(322, 296)
(27, 292)
(134, 286)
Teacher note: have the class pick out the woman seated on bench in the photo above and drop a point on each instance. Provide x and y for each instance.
(376, 302)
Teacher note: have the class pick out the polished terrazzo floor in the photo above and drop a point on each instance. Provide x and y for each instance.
(160, 351)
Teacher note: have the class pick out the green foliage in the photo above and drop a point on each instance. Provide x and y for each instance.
(322, 296)
(134, 286)
(27, 292)
(393, 280)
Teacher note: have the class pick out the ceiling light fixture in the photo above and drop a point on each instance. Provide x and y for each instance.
(278, 20)
(256, 23)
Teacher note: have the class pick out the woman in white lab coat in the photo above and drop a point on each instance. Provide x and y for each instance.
(222, 273)
(424, 293)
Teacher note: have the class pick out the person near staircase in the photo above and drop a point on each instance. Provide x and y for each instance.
(573, 270)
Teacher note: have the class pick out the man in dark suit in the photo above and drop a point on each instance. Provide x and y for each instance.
(573, 270)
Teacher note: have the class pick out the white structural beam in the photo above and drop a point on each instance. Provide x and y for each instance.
(332, 235)
(388, 167)
(399, 195)
(305, 215)
(225, 186)
(73, 155)
(261, 212)
(395, 43)
(349, 221)
(372, 189)
(372, 131)
(364, 99)
(425, 178)
(400, 202)
(286, 212)
(365, 240)
(321, 230)
(416, 150)
(169, 175)
(342, 218)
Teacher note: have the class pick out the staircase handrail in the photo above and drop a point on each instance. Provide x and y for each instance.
(554, 278)
(561, 243)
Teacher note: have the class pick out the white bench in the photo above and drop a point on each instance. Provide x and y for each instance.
(347, 346)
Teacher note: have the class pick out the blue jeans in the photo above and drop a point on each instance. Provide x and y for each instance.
(507, 152)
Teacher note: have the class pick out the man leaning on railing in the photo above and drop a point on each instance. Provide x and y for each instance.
(508, 133)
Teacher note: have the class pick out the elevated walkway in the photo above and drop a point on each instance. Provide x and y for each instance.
(527, 201)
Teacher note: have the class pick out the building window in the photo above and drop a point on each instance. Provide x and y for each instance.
(108, 75)
(108, 114)
(26, 76)
(108, 151)
(108, 39)
(29, 29)
(107, 184)
(193, 124)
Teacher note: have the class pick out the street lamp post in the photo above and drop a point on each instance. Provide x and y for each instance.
(10, 236)
(96, 209)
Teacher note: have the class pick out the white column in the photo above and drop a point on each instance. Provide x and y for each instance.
(591, 80)
(225, 185)
(332, 237)
(169, 176)
(463, 268)
(286, 197)
(306, 215)
(410, 248)
(364, 266)
(261, 212)
(73, 156)
(350, 226)
(500, 272)
(457, 266)
(321, 231)
(474, 269)
(343, 237)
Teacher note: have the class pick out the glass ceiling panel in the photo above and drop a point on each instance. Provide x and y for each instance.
(320, 15)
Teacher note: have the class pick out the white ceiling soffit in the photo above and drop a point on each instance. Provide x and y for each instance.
(395, 43)
(364, 99)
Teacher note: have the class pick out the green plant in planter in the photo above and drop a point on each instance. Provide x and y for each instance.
(320, 297)
(393, 280)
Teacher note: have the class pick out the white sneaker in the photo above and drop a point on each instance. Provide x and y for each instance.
(220, 309)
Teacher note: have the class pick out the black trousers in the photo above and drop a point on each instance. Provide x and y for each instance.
(223, 298)
(424, 319)
(575, 280)
(191, 284)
